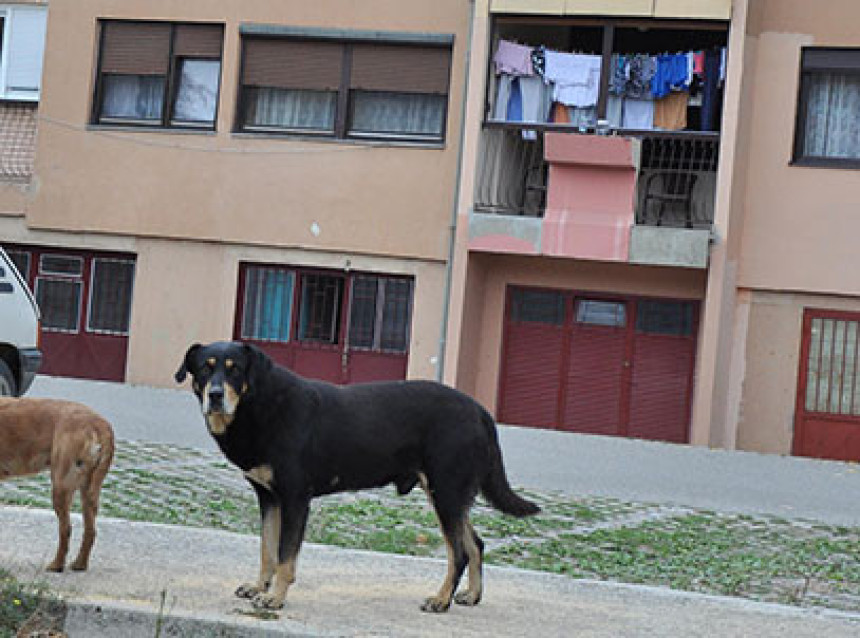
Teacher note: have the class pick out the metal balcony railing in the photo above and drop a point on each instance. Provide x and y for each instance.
(676, 176)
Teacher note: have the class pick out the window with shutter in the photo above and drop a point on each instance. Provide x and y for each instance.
(159, 74)
(344, 87)
(22, 41)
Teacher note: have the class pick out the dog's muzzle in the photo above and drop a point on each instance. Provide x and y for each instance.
(218, 405)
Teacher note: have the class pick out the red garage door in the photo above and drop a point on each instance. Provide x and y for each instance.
(601, 365)
(827, 415)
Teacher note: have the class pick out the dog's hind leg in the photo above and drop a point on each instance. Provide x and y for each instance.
(63, 490)
(452, 509)
(475, 551)
(90, 491)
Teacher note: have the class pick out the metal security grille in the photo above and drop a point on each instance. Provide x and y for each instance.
(832, 375)
(379, 313)
(110, 297)
(59, 302)
(320, 304)
(268, 304)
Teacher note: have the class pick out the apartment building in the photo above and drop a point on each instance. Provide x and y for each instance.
(631, 218)
(280, 172)
(675, 266)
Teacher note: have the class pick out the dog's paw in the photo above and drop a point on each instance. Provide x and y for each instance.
(467, 598)
(435, 606)
(55, 567)
(247, 590)
(267, 601)
(79, 566)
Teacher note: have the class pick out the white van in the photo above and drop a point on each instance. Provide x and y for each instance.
(20, 356)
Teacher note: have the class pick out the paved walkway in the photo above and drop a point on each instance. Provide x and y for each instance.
(353, 593)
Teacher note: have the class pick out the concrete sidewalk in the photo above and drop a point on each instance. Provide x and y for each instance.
(353, 593)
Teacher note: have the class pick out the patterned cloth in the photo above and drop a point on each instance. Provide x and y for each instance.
(17, 141)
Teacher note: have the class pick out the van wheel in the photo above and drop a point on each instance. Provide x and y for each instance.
(8, 387)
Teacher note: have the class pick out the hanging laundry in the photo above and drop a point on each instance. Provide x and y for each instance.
(539, 59)
(641, 70)
(513, 58)
(711, 90)
(638, 114)
(576, 77)
(671, 75)
(670, 112)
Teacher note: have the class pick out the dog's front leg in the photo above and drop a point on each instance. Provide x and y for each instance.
(270, 523)
(294, 516)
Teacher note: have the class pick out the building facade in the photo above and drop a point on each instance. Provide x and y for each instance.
(631, 218)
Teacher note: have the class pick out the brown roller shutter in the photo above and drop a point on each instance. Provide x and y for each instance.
(401, 69)
(136, 48)
(198, 40)
(292, 64)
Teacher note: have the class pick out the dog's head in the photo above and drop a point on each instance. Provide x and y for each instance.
(223, 375)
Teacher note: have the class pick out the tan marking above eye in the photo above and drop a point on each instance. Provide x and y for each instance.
(210, 361)
(229, 363)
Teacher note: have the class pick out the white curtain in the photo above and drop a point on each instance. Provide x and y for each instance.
(398, 113)
(291, 109)
(833, 116)
(135, 97)
(197, 95)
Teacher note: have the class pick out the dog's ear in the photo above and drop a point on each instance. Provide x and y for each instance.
(259, 364)
(187, 363)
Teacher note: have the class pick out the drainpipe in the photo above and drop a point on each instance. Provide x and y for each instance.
(452, 226)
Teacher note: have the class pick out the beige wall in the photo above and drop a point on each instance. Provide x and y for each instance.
(801, 223)
(490, 275)
(772, 350)
(225, 187)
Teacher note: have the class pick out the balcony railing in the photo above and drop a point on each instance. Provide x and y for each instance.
(676, 175)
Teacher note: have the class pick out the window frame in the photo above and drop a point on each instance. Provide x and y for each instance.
(347, 41)
(172, 78)
(806, 70)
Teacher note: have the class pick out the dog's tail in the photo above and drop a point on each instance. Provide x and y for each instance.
(495, 487)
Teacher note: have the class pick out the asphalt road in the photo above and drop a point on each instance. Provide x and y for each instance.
(557, 461)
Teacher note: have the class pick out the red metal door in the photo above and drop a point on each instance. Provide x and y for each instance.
(663, 361)
(532, 358)
(601, 365)
(85, 303)
(827, 414)
(331, 325)
(597, 371)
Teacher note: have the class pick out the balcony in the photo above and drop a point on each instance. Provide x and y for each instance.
(656, 205)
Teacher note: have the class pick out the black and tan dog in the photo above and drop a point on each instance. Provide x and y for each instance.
(296, 439)
(75, 443)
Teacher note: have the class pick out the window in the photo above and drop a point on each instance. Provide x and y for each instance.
(379, 315)
(22, 46)
(159, 74)
(268, 304)
(601, 313)
(341, 89)
(537, 306)
(665, 318)
(319, 309)
(828, 121)
(110, 297)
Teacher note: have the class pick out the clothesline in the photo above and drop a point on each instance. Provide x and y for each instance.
(537, 84)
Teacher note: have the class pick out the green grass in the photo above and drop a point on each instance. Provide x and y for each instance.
(22, 604)
(756, 557)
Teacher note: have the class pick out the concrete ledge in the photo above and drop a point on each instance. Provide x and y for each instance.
(666, 246)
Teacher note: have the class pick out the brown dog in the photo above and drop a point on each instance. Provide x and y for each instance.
(76, 443)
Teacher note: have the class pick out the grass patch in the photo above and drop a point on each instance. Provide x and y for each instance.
(27, 608)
